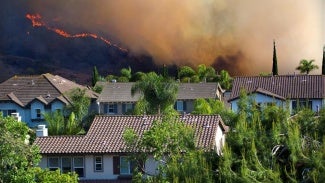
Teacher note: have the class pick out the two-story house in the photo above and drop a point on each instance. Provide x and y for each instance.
(116, 98)
(102, 153)
(31, 96)
(294, 90)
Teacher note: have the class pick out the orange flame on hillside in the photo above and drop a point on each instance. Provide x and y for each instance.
(37, 22)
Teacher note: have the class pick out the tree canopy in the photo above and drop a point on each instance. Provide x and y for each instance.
(172, 144)
(159, 93)
(267, 145)
(305, 66)
(19, 158)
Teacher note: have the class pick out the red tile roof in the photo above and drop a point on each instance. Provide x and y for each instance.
(45, 88)
(106, 134)
(282, 86)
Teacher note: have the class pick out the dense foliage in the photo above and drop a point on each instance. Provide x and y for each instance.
(172, 144)
(158, 93)
(18, 158)
(73, 118)
(268, 145)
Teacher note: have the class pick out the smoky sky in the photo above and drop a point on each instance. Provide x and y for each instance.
(201, 31)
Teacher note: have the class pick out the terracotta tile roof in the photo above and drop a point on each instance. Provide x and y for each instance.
(60, 144)
(282, 86)
(105, 134)
(121, 92)
(45, 88)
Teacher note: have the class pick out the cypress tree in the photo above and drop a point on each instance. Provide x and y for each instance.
(323, 64)
(95, 76)
(275, 61)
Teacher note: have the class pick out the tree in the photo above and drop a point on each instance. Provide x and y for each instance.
(18, 157)
(171, 143)
(212, 106)
(95, 77)
(306, 66)
(79, 103)
(138, 76)
(72, 120)
(158, 92)
(126, 75)
(185, 74)
(55, 122)
(225, 80)
(275, 61)
(206, 73)
(283, 151)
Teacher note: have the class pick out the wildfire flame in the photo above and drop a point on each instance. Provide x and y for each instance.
(36, 20)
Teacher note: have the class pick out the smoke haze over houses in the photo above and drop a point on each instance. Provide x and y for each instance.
(236, 35)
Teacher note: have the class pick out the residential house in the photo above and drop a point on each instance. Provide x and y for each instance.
(294, 90)
(116, 98)
(102, 154)
(29, 97)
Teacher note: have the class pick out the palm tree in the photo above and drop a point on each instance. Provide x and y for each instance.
(158, 92)
(305, 66)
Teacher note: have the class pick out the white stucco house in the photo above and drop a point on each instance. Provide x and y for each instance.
(101, 154)
(292, 90)
(116, 98)
(28, 97)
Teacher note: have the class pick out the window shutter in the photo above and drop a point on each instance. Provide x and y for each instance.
(184, 105)
(106, 108)
(123, 108)
(175, 105)
(116, 165)
(115, 108)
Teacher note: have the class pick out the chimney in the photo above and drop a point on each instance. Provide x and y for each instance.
(41, 131)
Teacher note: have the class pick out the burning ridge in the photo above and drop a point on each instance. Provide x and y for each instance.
(36, 20)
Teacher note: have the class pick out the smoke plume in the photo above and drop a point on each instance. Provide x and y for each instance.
(236, 34)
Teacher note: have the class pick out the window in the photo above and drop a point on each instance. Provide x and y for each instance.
(53, 163)
(112, 108)
(66, 164)
(180, 105)
(300, 104)
(8, 112)
(38, 113)
(125, 165)
(78, 166)
(98, 163)
(127, 108)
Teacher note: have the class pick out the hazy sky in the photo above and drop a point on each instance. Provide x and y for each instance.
(230, 33)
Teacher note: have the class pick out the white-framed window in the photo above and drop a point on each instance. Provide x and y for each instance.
(38, 113)
(98, 163)
(54, 163)
(125, 167)
(78, 166)
(66, 163)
